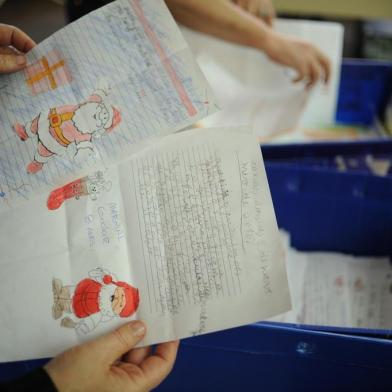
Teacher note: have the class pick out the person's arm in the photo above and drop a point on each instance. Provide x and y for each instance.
(221, 18)
(14, 43)
(38, 380)
(263, 9)
(229, 21)
(109, 363)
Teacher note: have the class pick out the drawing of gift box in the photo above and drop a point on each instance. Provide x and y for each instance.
(48, 73)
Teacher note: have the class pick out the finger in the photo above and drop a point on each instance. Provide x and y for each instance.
(11, 63)
(272, 15)
(9, 50)
(269, 20)
(254, 7)
(158, 366)
(267, 12)
(314, 75)
(318, 72)
(302, 73)
(137, 355)
(108, 348)
(310, 81)
(12, 36)
(272, 10)
(242, 3)
(326, 66)
(266, 18)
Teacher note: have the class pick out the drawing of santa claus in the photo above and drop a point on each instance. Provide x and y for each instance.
(96, 299)
(69, 126)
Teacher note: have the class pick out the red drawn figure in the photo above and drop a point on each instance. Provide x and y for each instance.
(69, 129)
(48, 73)
(96, 299)
(91, 186)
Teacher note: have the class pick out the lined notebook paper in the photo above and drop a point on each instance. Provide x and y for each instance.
(186, 230)
(93, 93)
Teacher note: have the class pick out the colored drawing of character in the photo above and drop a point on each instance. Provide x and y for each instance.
(68, 126)
(96, 299)
(91, 186)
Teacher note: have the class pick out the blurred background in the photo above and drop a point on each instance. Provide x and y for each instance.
(328, 158)
(39, 18)
(358, 96)
(368, 24)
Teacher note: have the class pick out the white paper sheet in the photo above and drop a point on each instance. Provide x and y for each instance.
(330, 289)
(93, 93)
(254, 91)
(188, 222)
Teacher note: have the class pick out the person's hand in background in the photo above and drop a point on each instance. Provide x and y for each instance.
(239, 21)
(309, 62)
(263, 9)
(110, 363)
(13, 44)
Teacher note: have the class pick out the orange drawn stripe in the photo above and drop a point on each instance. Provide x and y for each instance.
(135, 4)
(48, 72)
(59, 137)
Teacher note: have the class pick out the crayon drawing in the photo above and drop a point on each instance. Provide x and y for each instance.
(96, 299)
(69, 129)
(91, 186)
(48, 73)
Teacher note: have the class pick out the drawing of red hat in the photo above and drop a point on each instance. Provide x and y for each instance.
(131, 296)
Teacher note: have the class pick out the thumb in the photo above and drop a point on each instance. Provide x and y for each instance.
(113, 345)
(11, 62)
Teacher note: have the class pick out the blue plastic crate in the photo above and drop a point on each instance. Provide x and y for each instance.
(324, 209)
(278, 359)
(365, 87)
(268, 357)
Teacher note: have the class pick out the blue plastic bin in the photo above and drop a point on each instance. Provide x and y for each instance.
(279, 359)
(266, 357)
(324, 209)
(365, 86)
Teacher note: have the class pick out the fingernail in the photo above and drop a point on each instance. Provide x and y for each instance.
(138, 328)
(20, 60)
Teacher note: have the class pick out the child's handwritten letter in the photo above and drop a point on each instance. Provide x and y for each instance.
(182, 235)
(93, 93)
(338, 290)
